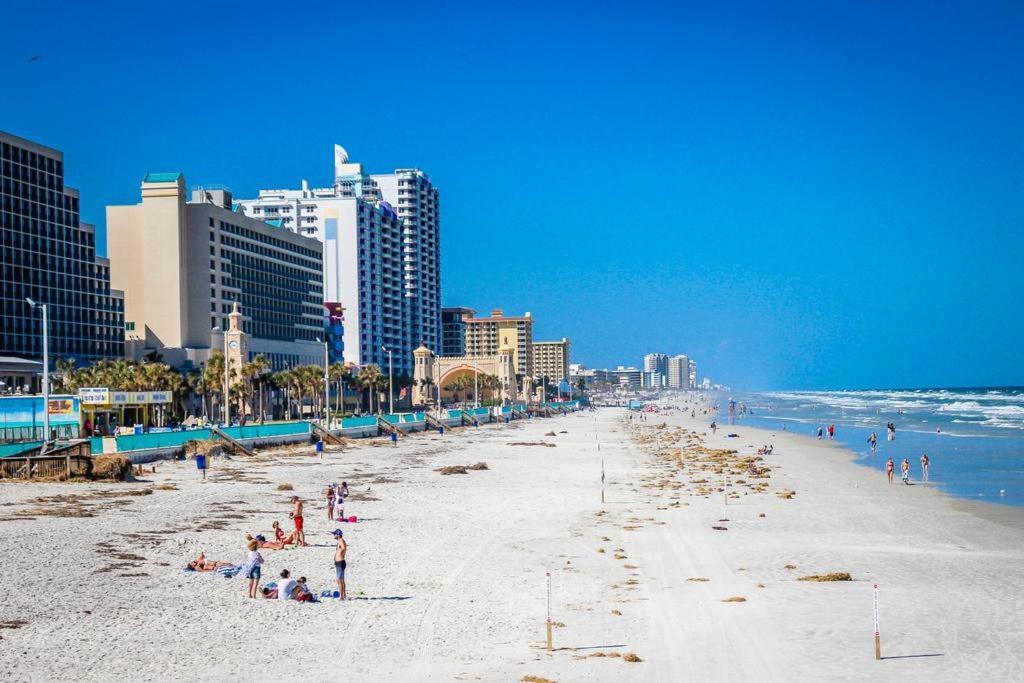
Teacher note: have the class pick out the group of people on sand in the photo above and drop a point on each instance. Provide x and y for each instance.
(336, 496)
(286, 587)
(831, 429)
(890, 469)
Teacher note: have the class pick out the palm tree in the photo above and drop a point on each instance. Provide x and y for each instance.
(279, 380)
(213, 380)
(337, 373)
(196, 385)
(426, 384)
(370, 377)
(66, 375)
(258, 368)
(458, 386)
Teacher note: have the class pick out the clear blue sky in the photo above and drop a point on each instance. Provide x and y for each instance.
(803, 195)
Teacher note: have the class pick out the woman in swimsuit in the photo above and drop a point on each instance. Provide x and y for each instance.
(280, 540)
(201, 564)
(890, 466)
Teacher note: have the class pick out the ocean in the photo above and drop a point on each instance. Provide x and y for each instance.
(974, 437)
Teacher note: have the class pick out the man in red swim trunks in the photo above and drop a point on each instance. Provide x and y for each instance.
(296, 515)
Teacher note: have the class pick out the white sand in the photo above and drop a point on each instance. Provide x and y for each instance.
(468, 553)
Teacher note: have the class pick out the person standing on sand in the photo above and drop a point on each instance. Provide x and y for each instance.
(873, 440)
(905, 469)
(714, 427)
(890, 466)
(924, 466)
(820, 431)
(331, 493)
(253, 567)
(296, 515)
(339, 561)
(831, 432)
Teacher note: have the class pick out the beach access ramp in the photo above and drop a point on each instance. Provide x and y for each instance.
(230, 443)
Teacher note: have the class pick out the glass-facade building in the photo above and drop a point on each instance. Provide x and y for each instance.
(47, 254)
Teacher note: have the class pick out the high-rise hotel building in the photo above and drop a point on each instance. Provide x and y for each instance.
(382, 258)
(47, 254)
(183, 266)
(484, 336)
(551, 360)
(679, 372)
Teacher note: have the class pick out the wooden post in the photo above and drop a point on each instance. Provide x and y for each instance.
(67, 465)
(878, 638)
(28, 468)
(602, 481)
(548, 585)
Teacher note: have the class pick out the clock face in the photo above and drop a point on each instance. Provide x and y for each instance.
(233, 344)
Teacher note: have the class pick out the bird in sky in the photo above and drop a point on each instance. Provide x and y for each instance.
(34, 58)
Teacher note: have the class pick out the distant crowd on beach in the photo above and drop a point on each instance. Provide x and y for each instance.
(287, 587)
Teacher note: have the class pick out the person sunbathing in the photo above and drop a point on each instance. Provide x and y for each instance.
(201, 564)
(280, 540)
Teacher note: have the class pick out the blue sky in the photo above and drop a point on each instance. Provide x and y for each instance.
(799, 195)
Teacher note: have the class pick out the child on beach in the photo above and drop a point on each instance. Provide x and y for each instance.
(905, 468)
(253, 566)
(331, 492)
(889, 467)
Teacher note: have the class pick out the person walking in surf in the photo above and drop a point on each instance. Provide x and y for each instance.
(924, 466)
(890, 466)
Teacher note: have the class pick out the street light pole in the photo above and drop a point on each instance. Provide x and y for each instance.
(476, 385)
(46, 372)
(391, 388)
(327, 386)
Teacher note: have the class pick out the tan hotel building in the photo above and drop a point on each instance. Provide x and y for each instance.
(551, 360)
(484, 336)
(183, 265)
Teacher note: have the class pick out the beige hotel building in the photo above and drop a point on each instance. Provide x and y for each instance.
(551, 360)
(183, 265)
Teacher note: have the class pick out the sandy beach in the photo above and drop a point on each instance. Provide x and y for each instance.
(448, 572)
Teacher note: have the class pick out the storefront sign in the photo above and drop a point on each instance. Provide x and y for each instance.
(94, 395)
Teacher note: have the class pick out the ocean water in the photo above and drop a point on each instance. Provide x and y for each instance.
(974, 437)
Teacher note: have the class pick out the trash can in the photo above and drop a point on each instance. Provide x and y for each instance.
(200, 462)
(394, 437)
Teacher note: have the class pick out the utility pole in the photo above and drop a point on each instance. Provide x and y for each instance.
(46, 372)
(391, 388)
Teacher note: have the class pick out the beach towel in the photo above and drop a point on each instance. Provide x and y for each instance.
(229, 572)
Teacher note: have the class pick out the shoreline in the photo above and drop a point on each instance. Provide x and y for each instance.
(999, 513)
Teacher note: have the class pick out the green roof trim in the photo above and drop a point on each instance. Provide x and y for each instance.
(162, 177)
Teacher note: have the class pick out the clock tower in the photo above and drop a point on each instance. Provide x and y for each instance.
(236, 349)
